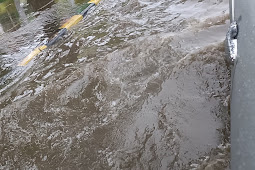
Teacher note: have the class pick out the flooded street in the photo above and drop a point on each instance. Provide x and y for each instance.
(136, 85)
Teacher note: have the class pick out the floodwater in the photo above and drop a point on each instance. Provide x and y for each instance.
(138, 84)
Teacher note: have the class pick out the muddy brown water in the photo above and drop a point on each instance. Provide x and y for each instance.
(138, 84)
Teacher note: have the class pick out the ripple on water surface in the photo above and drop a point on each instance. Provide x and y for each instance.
(138, 84)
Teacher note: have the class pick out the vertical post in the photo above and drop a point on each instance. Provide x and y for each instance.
(232, 10)
(21, 12)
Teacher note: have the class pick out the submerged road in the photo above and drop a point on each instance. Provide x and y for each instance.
(137, 84)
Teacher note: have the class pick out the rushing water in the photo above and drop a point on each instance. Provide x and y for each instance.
(138, 84)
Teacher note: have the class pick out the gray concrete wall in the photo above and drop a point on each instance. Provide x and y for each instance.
(243, 90)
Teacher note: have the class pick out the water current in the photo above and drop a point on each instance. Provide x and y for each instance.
(137, 84)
